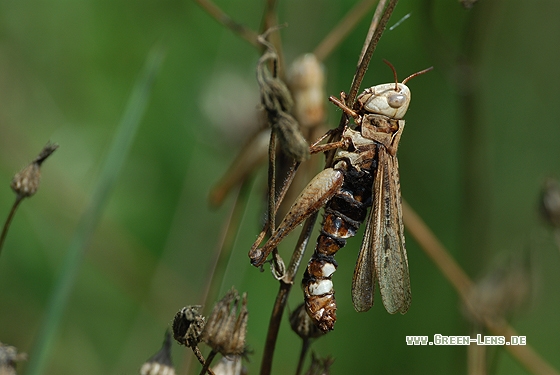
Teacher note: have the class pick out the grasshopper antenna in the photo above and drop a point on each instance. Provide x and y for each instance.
(416, 74)
(394, 74)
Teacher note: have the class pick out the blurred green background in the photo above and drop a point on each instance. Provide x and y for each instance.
(482, 135)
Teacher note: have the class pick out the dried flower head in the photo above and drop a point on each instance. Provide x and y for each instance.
(8, 358)
(320, 366)
(188, 325)
(26, 182)
(503, 290)
(225, 331)
(303, 325)
(160, 363)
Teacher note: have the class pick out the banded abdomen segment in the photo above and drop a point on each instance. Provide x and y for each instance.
(344, 213)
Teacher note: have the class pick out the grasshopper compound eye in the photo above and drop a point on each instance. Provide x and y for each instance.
(396, 100)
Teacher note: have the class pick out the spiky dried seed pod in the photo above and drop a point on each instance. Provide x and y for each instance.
(188, 325)
(26, 182)
(320, 366)
(160, 363)
(225, 331)
(303, 325)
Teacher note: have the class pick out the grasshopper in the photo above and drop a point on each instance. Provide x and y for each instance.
(364, 174)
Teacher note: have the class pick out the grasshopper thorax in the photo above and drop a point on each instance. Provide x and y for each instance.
(388, 99)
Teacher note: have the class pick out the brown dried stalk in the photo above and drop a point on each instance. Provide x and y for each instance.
(222, 17)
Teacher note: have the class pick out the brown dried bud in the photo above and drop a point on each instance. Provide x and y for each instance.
(160, 363)
(303, 325)
(550, 202)
(306, 80)
(26, 182)
(8, 358)
(320, 366)
(188, 325)
(225, 331)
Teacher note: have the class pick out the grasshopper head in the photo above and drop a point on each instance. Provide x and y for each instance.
(388, 99)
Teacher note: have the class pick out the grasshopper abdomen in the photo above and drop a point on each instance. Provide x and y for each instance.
(344, 214)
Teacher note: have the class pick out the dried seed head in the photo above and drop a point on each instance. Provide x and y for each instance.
(225, 331)
(320, 366)
(26, 182)
(503, 290)
(8, 358)
(231, 365)
(188, 325)
(550, 202)
(160, 363)
(303, 325)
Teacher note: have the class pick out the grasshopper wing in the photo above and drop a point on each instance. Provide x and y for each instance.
(391, 264)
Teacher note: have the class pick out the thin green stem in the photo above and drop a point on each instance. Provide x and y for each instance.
(113, 163)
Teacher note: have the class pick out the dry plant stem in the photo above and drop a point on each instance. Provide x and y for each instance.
(272, 197)
(373, 25)
(366, 58)
(205, 363)
(280, 198)
(476, 355)
(283, 292)
(272, 183)
(306, 343)
(269, 21)
(269, 16)
(341, 31)
(206, 366)
(463, 285)
(220, 16)
(19, 198)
